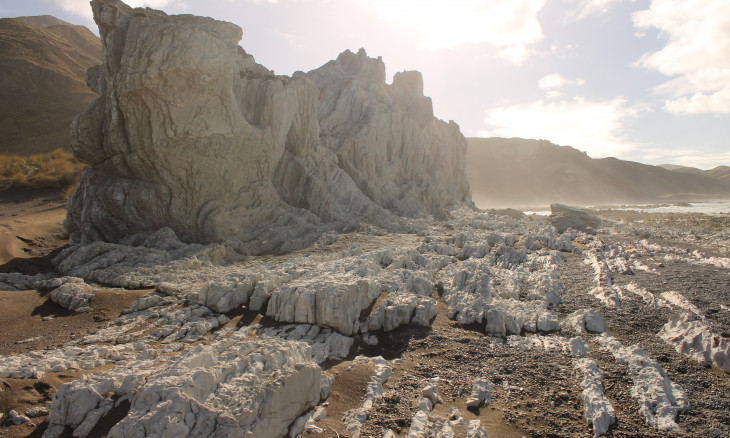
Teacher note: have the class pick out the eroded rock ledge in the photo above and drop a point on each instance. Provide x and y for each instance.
(190, 133)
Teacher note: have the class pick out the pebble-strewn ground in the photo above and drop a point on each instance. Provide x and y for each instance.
(481, 298)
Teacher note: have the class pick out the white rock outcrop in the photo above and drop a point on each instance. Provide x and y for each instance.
(597, 408)
(659, 398)
(190, 133)
(481, 393)
(697, 339)
(235, 386)
(73, 295)
(355, 418)
(587, 319)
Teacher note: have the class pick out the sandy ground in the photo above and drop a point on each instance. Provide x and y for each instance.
(31, 226)
(31, 232)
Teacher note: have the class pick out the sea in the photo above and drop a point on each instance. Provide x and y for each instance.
(712, 208)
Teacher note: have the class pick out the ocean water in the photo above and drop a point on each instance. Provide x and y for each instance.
(712, 208)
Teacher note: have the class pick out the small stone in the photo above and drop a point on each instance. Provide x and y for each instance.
(36, 412)
(17, 419)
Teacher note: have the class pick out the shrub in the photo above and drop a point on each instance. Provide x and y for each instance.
(57, 169)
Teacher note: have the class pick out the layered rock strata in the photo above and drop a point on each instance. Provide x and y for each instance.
(190, 133)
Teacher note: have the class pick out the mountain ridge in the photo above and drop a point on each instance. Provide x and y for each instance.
(43, 63)
(719, 172)
(537, 173)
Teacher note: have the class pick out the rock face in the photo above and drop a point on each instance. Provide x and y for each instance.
(190, 133)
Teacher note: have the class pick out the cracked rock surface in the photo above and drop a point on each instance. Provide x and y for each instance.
(395, 335)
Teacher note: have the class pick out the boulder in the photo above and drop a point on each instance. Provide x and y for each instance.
(481, 393)
(190, 133)
(563, 217)
(73, 295)
(587, 319)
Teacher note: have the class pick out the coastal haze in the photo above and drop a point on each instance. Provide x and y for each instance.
(517, 173)
(236, 252)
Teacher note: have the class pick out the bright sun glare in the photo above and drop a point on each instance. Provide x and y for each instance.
(447, 25)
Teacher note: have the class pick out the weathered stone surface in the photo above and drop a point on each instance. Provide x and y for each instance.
(73, 295)
(597, 408)
(660, 399)
(697, 339)
(563, 217)
(587, 319)
(190, 133)
(481, 393)
(237, 386)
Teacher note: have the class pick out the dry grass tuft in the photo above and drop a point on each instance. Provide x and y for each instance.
(58, 169)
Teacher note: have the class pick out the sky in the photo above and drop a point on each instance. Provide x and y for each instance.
(640, 80)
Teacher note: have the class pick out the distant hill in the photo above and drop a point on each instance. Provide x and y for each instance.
(43, 63)
(515, 172)
(683, 169)
(719, 172)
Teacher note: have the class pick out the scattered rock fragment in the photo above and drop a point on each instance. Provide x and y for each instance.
(481, 393)
(36, 412)
(587, 319)
(16, 418)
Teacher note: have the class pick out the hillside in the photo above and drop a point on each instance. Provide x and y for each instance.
(519, 172)
(719, 172)
(43, 63)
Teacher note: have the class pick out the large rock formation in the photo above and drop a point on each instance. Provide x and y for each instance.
(190, 133)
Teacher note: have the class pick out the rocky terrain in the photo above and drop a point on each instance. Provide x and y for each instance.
(482, 323)
(43, 63)
(535, 173)
(255, 255)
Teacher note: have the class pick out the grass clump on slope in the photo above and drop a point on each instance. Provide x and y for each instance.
(57, 169)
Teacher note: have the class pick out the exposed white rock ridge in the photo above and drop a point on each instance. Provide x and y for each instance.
(598, 409)
(190, 133)
(698, 339)
(659, 398)
(235, 386)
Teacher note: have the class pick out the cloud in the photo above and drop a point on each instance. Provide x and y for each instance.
(448, 25)
(552, 81)
(586, 8)
(595, 127)
(696, 53)
(83, 9)
(516, 54)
